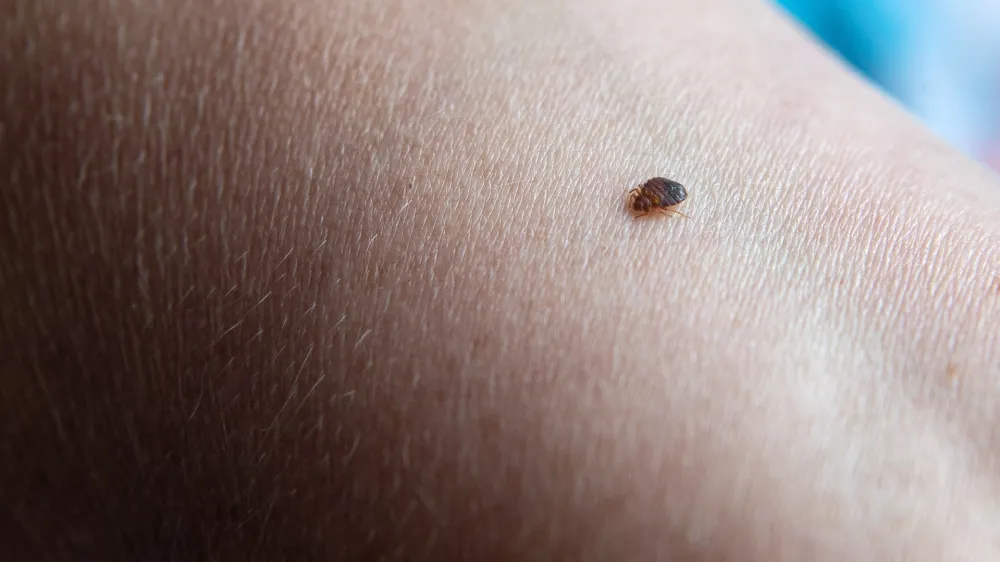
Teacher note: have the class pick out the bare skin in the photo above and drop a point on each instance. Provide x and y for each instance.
(354, 281)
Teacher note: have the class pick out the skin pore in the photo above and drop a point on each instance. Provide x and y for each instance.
(355, 281)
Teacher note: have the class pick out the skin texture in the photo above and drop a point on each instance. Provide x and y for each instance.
(355, 281)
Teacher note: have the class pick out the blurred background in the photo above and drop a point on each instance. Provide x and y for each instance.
(940, 58)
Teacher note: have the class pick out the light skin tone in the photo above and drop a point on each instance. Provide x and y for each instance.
(356, 281)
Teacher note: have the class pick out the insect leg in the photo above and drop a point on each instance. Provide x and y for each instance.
(673, 212)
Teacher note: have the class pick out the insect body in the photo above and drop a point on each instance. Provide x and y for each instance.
(657, 194)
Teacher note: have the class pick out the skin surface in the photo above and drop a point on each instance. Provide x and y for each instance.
(355, 281)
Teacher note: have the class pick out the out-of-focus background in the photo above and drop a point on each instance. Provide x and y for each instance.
(940, 58)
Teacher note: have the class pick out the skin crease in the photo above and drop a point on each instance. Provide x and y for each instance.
(355, 281)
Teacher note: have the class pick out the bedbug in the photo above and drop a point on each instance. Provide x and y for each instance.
(657, 194)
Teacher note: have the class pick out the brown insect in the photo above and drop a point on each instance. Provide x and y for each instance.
(657, 195)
